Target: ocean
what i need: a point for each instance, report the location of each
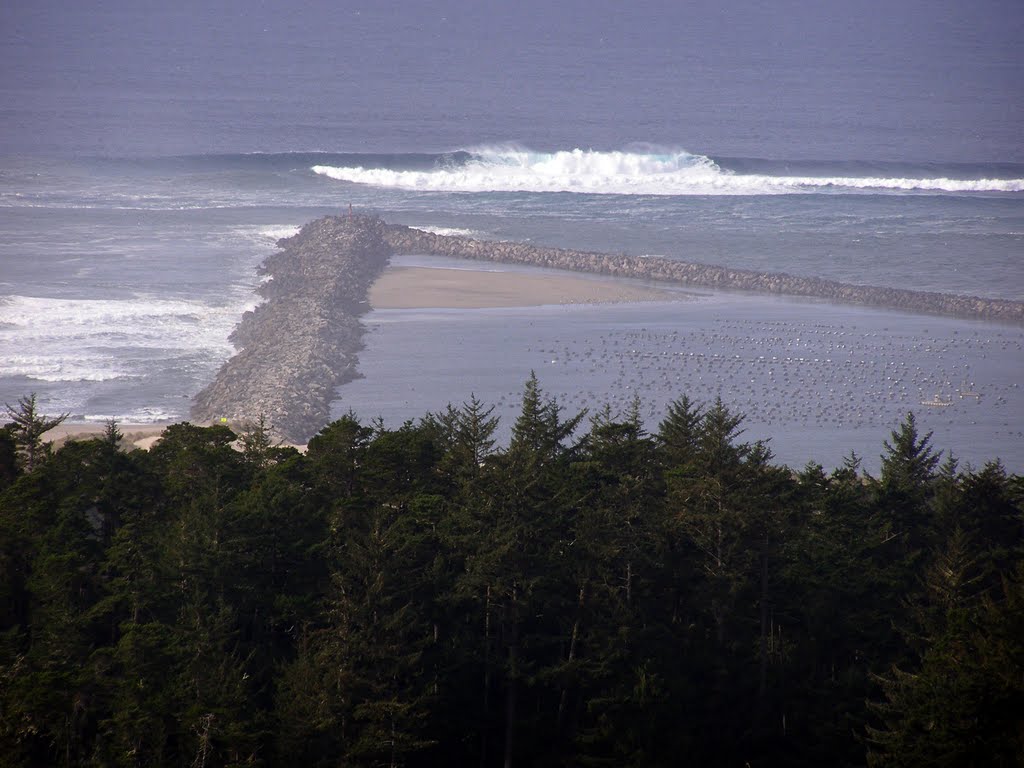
(150, 157)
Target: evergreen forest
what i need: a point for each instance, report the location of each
(589, 594)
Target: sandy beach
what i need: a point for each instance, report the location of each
(135, 435)
(429, 287)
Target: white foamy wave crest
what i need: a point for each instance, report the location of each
(145, 415)
(451, 231)
(99, 340)
(264, 236)
(73, 367)
(631, 173)
(278, 233)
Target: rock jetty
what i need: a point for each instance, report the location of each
(299, 345)
(409, 240)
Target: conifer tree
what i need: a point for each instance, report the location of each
(512, 566)
(416, 597)
(539, 431)
(906, 487)
(377, 646)
(28, 427)
(993, 514)
(709, 496)
(8, 457)
(334, 455)
(961, 704)
(679, 431)
(68, 512)
(827, 606)
(474, 433)
(618, 546)
(257, 444)
(729, 505)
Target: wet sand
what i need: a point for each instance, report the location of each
(431, 287)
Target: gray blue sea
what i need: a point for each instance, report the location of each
(150, 157)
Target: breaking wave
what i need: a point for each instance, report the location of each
(450, 231)
(639, 173)
(78, 339)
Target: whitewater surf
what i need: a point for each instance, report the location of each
(674, 173)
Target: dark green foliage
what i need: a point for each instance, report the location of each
(27, 427)
(963, 703)
(907, 485)
(679, 432)
(420, 597)
(8, 456)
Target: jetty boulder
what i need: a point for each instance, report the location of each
(302, 342)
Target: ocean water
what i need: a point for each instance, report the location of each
(151, 157)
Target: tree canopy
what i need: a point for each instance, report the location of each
(589, 594)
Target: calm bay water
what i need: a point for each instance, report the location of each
(150, 157)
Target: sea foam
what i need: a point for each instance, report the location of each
(278, 233)
(50, 339)
(450, 231)
(632, 173)
(144, 415)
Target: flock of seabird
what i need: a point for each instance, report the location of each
(786, 373)
(805, 378)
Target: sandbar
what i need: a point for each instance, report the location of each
(436, 287)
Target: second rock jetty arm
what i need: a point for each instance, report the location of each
(405, 239)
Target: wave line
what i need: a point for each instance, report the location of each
(634, 173)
